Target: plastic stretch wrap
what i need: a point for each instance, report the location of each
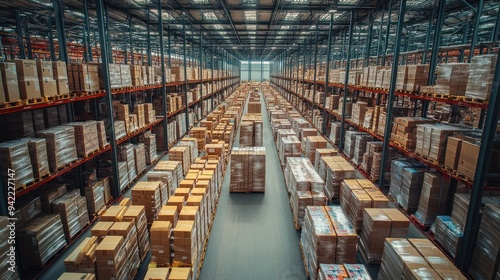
(337, 169)
(126, 153)
(487, 249)
(289, 146)
(319, 162)
(61, 148)
(360, 142)
(94, 194)
(448, 234)
(433, 198)
(452, 78)
(41, 239)
(167, 180)
(120, 130)
(86, 137)
(406, 184)
(311, 144)
(248, 169)
(140, 157)
(15, 155)
(349, 144)
(480, 80)
(73, 210)
(193, 149)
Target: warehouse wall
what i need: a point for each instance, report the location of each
(256, 73)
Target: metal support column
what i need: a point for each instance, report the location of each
(51, 39)
(131, 44)
(61, 35)
(346, 81)
(19, 31)
(115, 188)
(477, 22)
(386, 39)
(107, 34)
(315, 68)
(425, 55)
(435, 52)
(88, 49)
(212, 70)
(261, 71)
(163, 77)
(303, 79)
(185, 70)
(327, 74)
(465, 254)
(148, 33)
(201, 73)
(379, 41)
(392, 89)
(169, 50)
(369, 41)
(28, 39)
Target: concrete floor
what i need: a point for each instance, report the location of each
(253, 235)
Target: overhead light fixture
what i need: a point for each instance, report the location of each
(235, 48)
(331, 11)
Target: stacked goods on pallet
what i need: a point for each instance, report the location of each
(48, 86)
(61, 149)
(149, 140)
(160, 242)
(469, 154)
(480, 79)
(72, 207)
(9, 86)
(327, 237)
(360, 146)
(452, 79)
(248, 170)
(86, 138)
(418, 75)
(358, 194)
(343, 271)
(21, 124)
(182, 155)
(335, 132)
(379, 224)
(453, 149)
(305, 187)
(448, 234)
(126, 154)
(94, 194)
(358, 112)
(185, 244)
(337, 169)
(289, 146)
(404, 131)
(254, 107)
(251, 131)
(177, 74)
(319, 162)
(137, 215)
(82, 259)
(101, 134)
(200, 133)
(431, 140)
(192, 143)
(120, 129)
(136, 75)
(139, 111)
(372, 147)
(311, 144)
(306, 132)
(83, 77)
(111, 258)
(140, 157)
(406, 184)
(40, 240)
(487, 250)
(167, 182)
(128, 231)
(15, 155)
(433, 199)
(126, 78)
(27, 76)
(165, 273)
(148, 195)
(415, 259)
(401, 77)
(350, 142)
(169, 213)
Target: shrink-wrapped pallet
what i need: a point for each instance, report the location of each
(433, 198)
(61, 149)
(248, 170)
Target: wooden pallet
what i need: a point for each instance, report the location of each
(457, 97)
(11, 104)
(66, 165)
(33, 101)
(475, 100)
(85, 93)
(89, 154)
(463, 177)
(26, 186)
(58, 97)
(418, 223)
(365, 256)
(441, 95)
(43, 177)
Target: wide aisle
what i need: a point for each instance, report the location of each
(253, 235)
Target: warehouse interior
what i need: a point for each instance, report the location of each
(249, 139)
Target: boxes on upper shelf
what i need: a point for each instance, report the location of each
(27, 76)
(10, 85)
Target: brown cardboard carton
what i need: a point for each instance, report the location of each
(10, 82)
(109, 247)
(59, 70)
(26, 69)
(101, 229)
(62, 86)
(48, 87)
(180, 273)
(157, 273)
(29, 89)
(177, 201)
(453, 150)
(114, 214)
(45, 71)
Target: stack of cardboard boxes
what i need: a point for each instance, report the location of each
(480, 79)
(86, 137)
(82, 259)
(248, 170)
(148, 195)
(452, 79)
(404, 131)
(61, 148)
(9, 86)
(83, 77)
(111, 258)
(136, 74)
(311, 144)
(182, 155)
(14, 155)
(28, 79)
(48, 86)
(418, 76)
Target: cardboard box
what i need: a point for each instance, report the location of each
(453, 151)
(10, 82)
(45, 71)
(29, 89)
(48, 87)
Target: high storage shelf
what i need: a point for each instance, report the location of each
(38, 184)
(279, 81)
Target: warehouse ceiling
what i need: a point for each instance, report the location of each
(257, 29)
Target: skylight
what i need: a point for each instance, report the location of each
(251, 15)
(200, 1)
(292, 16)
(209, 15)
(252, 27)
(218, 26)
